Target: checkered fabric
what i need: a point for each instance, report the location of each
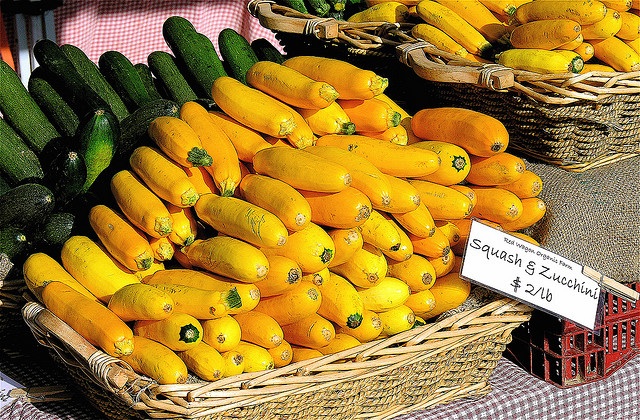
(516, 395)
(134, 27)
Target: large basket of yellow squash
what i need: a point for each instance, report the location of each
(429, 365)
(569, 97)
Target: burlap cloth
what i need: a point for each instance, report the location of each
(593, 217)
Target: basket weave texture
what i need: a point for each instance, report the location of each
(576, 121)
(442, 361)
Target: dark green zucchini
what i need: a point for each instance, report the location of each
(122, 75)
(26, 205)
(133, 129)
(237, 54)
(66, 79)
(97, 139)
(13, 242)
(149, 81)
(176, 87)
(4, 185)
(266, 51)
(196, 56)
(56, 229)
(18, 163)
(66, 172)
(22, 112)
(90, 72)
(52, 103)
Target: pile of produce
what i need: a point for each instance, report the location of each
(237, 213)
(542, 36)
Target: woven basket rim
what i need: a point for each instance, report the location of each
(465, 328)
(395, 41)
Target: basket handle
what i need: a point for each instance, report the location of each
(323, 28)
(492, 76)
(47, 323)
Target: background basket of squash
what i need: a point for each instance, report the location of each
(563, 76)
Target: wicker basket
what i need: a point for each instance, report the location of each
(576, 121)
(433, 364)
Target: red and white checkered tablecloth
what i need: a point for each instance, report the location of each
(134, 27)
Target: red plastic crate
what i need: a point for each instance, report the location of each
(565, 354)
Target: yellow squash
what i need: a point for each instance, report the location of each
(205, 361)
(290, 86)
(502, 168)
(344, 209)
(497, 205)
(156, 361)
(350, 81)
(178, 141)
(245, 140)
(540, 61)
(223, 333)
(328, 120)
(301, 301)
(340, 342)
(277, 197)
(94, 268)
(260, 328)
(583, 12)
(179, 331)
(313, 331)
(454, 162)
(256, 358)
(140, 301)
(242, 220)
(417, 272)
(282, 355)
(242, 103)
(396, 320)
(449, 291)
(341, 302)
(546, 34)
(442, 202)
(368, 330)
(453, 25)
(389, 293)
(283, 274)
(389, 158)
(249, 292)
(478, 133)
(225, 169)
(365, 268)
(201, 303)
(418, 222)
(140, 205)
(312, 248)
(347, 242)
(229, 257)
(370, 114)
(163, 176)
(78, 311)
(380, 232)
(40, 268)
(301, 169)
(123, 241)
(185, 226)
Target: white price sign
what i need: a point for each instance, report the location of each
(530, 274)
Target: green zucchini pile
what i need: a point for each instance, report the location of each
(337, 9)
(75, 124)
